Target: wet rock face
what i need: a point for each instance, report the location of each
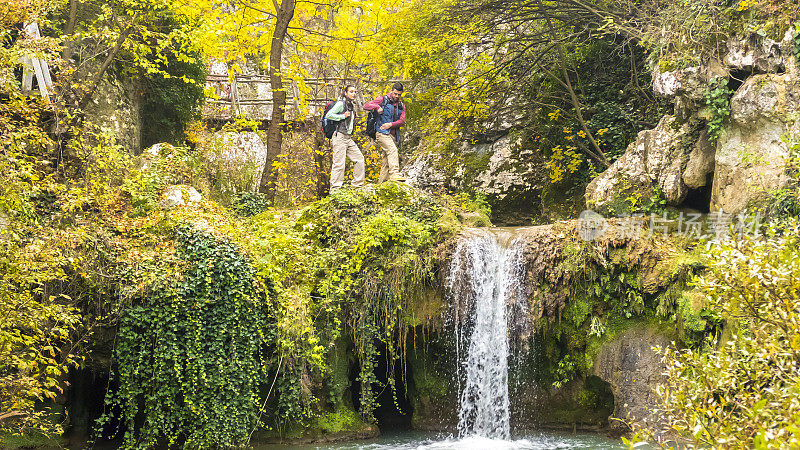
(633, 369)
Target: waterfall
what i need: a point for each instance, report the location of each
(485, 279)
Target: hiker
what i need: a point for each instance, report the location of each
(391, 116)
(342, 141)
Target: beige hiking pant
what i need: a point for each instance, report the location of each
(390, 162)
(344, 147)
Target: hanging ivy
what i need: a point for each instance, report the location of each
(188, 357)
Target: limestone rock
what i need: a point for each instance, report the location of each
(116, 109)
(757, 53)
(656, 158)
(180, 195)
(4, 224)
(243, 152)
(630, 365)
(690, 82)
(156, 150)
(701, 162)
(751, 155)
(422, 174)
(498, 177)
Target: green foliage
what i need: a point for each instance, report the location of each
(340, 420)
(654, 204)
(356, 267)
(596, 327)
(172, 101)
(565, 371)
(36, 335)
(796, 41)
(172, 165)
(189, 354)
(250, 203)
(785, 202)
(743, 391)
(386, 236)
(718, 99)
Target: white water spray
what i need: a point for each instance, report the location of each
(485, 278)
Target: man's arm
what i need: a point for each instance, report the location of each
(335, 113)
(374, 104)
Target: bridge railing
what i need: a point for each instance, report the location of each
(250, 95)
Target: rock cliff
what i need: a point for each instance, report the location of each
(690, 164)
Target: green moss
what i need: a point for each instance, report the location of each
(474, 164)
(341, 420)
(577, 310)
(338, 382)
(431, 384)
(31, 440)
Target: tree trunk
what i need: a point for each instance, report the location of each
(285, 13)
(322, 166)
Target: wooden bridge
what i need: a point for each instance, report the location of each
(250, 95)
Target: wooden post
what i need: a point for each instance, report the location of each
(35, 66)
(234, 98)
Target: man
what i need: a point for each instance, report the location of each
(342, 141)
(391, 116)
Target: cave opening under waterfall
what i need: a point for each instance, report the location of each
(393, 411)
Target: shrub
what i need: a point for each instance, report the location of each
(744, 393)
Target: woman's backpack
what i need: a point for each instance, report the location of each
(328, 125)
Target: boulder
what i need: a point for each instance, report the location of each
(155, 151)
(701, 162)
(180, 195)
(633, 369)
(756, 53)
(244, 152)
(656, 158)
(690, 82)
(751, 153)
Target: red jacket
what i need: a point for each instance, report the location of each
(397, 120)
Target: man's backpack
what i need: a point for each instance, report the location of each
(373, 116)
(372, 120)
(328, 125)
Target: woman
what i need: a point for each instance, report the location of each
(342, 141)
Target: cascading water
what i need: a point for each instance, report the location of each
(485, 280)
